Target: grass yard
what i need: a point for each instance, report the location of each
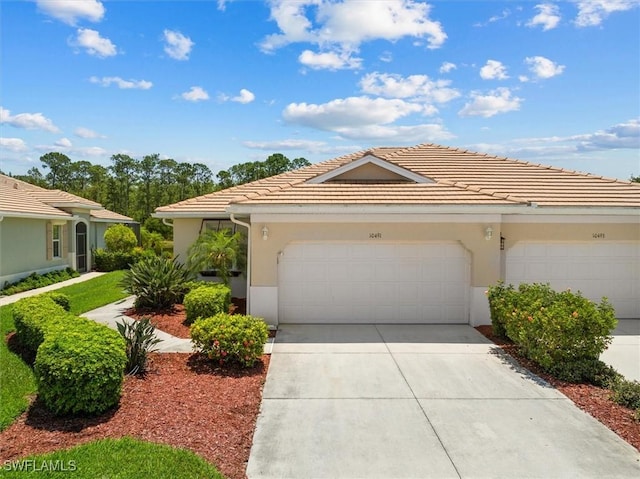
(124, 458)
(17, 382)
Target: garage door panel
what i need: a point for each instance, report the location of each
(387, 282)
(610, 269)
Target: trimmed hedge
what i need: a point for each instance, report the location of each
(106, 261)
(554, 329)
(207, 300)
(79, 364)
(81, 370)
(35, 280)
(226, 338)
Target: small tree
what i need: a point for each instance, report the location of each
(219, 250)
(120, 238)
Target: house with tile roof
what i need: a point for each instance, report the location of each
(42, 230)
(417, 234)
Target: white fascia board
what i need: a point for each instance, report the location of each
(12, 214)
(398, 170)
(377, 218)
(81, 206)
(573, 218)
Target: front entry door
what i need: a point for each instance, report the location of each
(81, 247)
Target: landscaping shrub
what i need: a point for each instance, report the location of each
(113, 260)
(228, 338)
(120, 238)
(151, 241)
(60, 299)
(627, 393)
(554, 329)
(140, 339)
(35, 280)
(80, 370)
(34, 317)
(206, 301)
(499, 304)
(157, 282)
(591, 371)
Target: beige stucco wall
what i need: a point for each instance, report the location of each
(23, 248)
(185, 232)
(485, 267)
(514, 232)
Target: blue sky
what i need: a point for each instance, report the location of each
(225, 82)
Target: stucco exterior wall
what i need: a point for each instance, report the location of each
(597, 232)
(23, 249)
(185, 232)
(485, 267)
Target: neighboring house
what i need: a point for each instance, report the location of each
(417, 235)
(43, 230)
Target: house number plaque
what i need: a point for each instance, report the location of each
(598, 236)
(375, 235)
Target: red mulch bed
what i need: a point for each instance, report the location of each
(183, 400)
(591, 399)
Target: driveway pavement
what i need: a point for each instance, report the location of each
(419, 401)
(624, 351)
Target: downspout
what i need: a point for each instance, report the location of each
(248, 226)
(164, 222)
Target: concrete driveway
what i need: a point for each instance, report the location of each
(419, 401)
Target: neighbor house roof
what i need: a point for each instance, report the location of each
(108, 216)
(19, 198)
(455, 177)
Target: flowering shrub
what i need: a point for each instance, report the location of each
(226, 338)
(207, 300)
(552, 328)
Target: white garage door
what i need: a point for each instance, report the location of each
(610, 269)
(374, 283)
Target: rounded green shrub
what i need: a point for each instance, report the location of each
(35, 317)
(120, 238)
(206, 301)
(627, 394)
(60, 299)
(226, 338)
(80, 370)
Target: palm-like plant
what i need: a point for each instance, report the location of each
(219, 250)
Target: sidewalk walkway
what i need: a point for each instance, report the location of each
(4, 300)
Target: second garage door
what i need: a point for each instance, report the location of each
(372, 282)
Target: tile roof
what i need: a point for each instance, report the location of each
(460, 177)
(109, 216)
(22, 198)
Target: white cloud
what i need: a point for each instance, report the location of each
(244, 97)
(592, 13)
(195, 94)
(70, 11)
(177, 46)
(13, 144)
(64, 143)
(93, 43)
(329, 60)
(28, 121)
(121, 83)
(622, 135)
(414, 86)
(496, 101)
(493, 70)
(386, 57)
(341, 27)
(543, 68)
(548, 17)
(87, 133)
(496, 18)
(446, 67)
(349, 112)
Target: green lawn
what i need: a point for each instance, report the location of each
(16, 378)
(122, 459)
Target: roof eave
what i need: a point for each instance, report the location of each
(35, 216)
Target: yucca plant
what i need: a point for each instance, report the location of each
(140, 337)
(157, 282)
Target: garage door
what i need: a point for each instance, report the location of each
(596, 269)
(373, 283)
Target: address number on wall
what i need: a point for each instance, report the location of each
(375, 235)
(598, 235)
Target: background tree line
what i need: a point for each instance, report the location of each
(135, 188)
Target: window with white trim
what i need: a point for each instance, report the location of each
(56, 241)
